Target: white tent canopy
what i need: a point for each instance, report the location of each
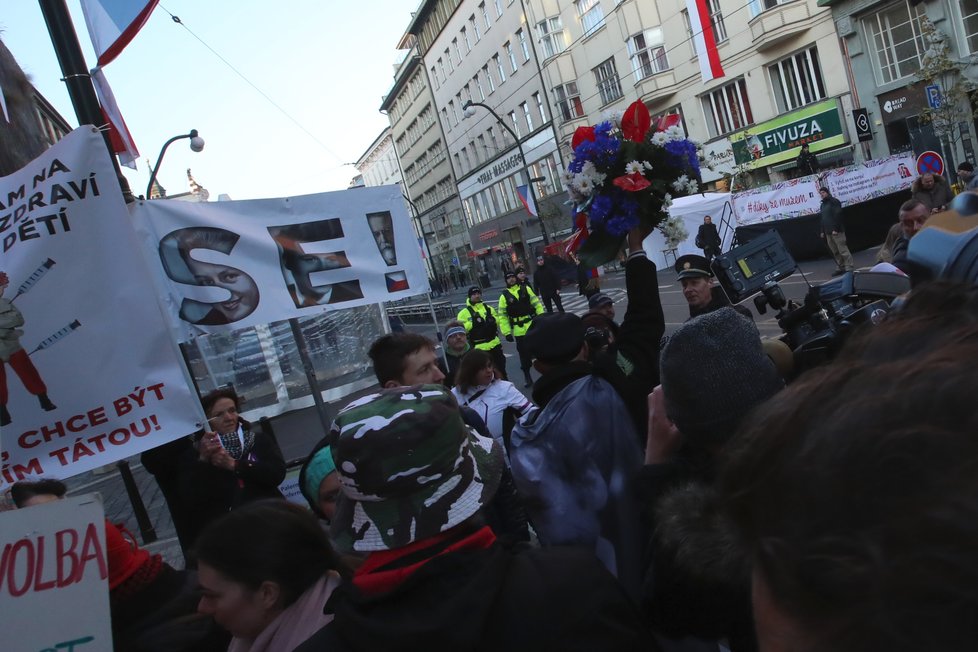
(692, 209)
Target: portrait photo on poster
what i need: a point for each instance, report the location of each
(298, 265)
(176, 254)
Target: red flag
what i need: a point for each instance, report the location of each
(704, 40)
(112, 24)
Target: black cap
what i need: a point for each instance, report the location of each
(555, 338)
(520, 270)
(692, 265)
(508, 274)
(475, 289)
(966, 166)
(598, 300)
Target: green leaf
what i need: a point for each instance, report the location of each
(601, 247)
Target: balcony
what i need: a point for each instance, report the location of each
(658, 86)
(781, 22)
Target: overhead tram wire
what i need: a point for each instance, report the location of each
(176, 19)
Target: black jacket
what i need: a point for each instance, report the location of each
(501, 598)
(707, 236)
(718, 301)
(830, 214)
(545, 281)
(807, 163)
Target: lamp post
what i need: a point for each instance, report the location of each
(467, 111)
(196, 145)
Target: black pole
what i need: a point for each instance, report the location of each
(146, 528)
(77, 78)
(152, 177)
(526, 166)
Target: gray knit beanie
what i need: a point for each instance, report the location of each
(714, 371)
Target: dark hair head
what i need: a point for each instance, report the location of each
(910, 204)
(471, 364)
(21, 492)
(389, 351)
(209, 399)
(269, 540)
(824, 189)
(856, 491)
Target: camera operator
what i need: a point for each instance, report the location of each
(630, 351)
(701, 293)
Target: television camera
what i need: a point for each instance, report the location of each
(814, 329)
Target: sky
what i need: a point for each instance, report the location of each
(326, 63)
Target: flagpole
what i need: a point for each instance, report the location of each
(77, 78)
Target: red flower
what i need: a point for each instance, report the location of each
(667, 121)
(632, 182)
(635, 122)
(582, 134)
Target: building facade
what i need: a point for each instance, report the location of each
(886, 44)
(378, 165)
(482, 51)
(785, 79)
(428, 180)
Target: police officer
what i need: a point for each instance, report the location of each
(479, 321)
(518, 305)
(701, 293)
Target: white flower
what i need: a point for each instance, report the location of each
(666, 202)
(648, 166)
(680, 184)
(567, 178)
(633, 167)
(583, 184)
(674, 231)
(660, 138)
(591, 172)
(675, 132)
(692, 186)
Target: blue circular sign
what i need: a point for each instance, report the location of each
(930, 163)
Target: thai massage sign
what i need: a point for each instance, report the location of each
(779, 140)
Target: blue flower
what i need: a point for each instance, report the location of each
(601, 207)
(682, 153)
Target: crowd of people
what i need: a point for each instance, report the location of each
(652, 493)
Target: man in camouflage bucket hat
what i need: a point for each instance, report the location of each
(437, 578)
(409, 468)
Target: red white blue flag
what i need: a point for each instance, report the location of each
(113, 23)
(704, 39)
(531, 206)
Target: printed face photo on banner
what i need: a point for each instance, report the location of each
(297, 265)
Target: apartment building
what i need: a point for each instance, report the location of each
(482, 51)
(427, 175)
(378, 164)
(784, 80)
(886, 45)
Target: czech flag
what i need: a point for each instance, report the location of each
(704, 40)
(396, 281)
(531, 206)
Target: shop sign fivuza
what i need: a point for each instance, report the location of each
(779, 140)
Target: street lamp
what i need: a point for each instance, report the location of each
(196, 145)
(468, 112)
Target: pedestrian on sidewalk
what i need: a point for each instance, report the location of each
(834, 232)
(547, 285)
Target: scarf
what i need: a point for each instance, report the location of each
(299, 621)
(231, 442)
(386, 570)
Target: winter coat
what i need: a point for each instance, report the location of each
(545, 281)
(479, 321)
(518, 305)
(807, 163)
(517, 598)
(491, 401)
(572, 461)
(707, 237)
(940, 195)
(830, 214)
(213, 491)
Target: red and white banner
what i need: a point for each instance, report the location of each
(704, 39)
(119, 136)
(88, 372)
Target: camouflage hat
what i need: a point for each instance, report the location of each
(409, 468)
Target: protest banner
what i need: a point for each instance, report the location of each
(777, 201)
(222, 266)
(96, 377)
(871, 179)
(54, 590)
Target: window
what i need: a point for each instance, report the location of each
(511, 55)
(478, 86)
(550, 34)
(444, 118)
(568, 101)
(896, 41)
(648, 53)
(539, 102)
(727, 108)
(797, 80)
(492, 139)
(499, 68)
(434, 78)
(475, 28)
(521, 35)
(606, 76)
(492, 84)
(448, 59)
(516, 123)
(592, 16)
(482, 151)
(716, 20)
(458, 162)
(458, 52)
(485, 15)
(454, 110)
(441, 67)
(466, 94)
(499, 8)
(527, 116)
(465, 38)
